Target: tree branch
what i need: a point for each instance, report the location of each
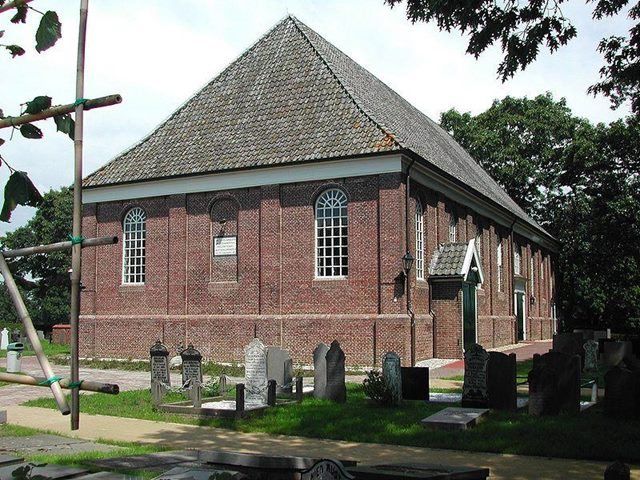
(14, 4)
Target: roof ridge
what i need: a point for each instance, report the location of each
(181, 107)
(326, 62)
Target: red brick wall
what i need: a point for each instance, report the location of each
(269, 289)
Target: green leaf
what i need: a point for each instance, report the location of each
(19, 190)
(49, 31)
(65, 124)
(38, 104)
(21, 14)
(16, 51)
(30, 131)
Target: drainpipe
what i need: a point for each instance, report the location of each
(512, 276)
(408, 281)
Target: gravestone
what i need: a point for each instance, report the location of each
(501, 382)
(415, 383)
(320, 370)
(554, 384)
(590, 356)
(191, 365)
(474, 388)
(569, 343)
(326, 469)
(392, 375)
(336, 389)
(280, 369)
(159, 363)
(622, 393)
(617, 471)
(454, 418)
(4, 339)
(14, 336)
(255, 372)
(615, 352)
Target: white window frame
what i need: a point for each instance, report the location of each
(499, 264)
(419, 241)
(326, 203)
(517, 261)
(532, 283)
(453, 227)
(134, 239)
(479, 239)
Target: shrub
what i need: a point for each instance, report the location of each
(376, 389)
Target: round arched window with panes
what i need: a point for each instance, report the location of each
(419, 241)
(134, 236)
(332, 239)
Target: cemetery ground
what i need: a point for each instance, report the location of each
(589, 435)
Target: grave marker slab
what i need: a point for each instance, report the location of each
(501, 382)
(280, 369)
(4, 339)
(255, 372)
(554, 384)
(191, 365)
(320, 371)
(622, 393)
(615, 352)
(326, 470)
(569, 343)
(455, 418)
(392, 374)
(415, 383)
(474, 388)
(590, 356)
(159, 363)
(336, 389)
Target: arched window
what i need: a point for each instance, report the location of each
(134, 233)
(517, 260)
(499, 263)
(453, 226)
(419, 241)
(332, 251)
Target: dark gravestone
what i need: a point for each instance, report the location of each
(615, 352)
(474, 388)
(554, 384)
(191, 365)
(160, 364)
(280, 369)
(415, 383)
(569, 343)
(320, 370)
(391, 372)
(622, 393)
(336, 389)
(326, 470)
(617, 471)
(501, 381)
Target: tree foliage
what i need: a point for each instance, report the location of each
(522, 28)
(44, 277)
(580, 181)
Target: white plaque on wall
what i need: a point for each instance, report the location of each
(225, 246)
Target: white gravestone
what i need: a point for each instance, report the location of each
(392, 374)
(255, 372)
(4, 339)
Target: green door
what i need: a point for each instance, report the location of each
(469, 314)
(520, 314)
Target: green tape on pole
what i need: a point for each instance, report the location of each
(77, 384)
(80, 101)
(76, 240)
(50, 381)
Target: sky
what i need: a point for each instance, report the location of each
(158, 54)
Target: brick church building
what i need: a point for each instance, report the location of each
(279, 202)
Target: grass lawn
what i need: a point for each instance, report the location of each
(81, 459)
(50, 349)
(587, 436)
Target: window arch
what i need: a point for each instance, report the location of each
(332, 250)
(419, 240)
(499, 264)
(134, 233)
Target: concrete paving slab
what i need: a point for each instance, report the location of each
(152, 461)
(52, 444)
(454, 418)
(52, 472)
(9, 460)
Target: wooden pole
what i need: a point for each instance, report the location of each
(86, 385)
(14, 4)
(59, 110)
(76, 251)
(57, 247)
(21, 308)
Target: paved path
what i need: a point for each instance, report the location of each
(523, 351)
(94, 427)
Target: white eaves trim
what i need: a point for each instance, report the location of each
(353, 167)
(472, 254)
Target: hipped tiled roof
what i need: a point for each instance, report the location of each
(293, 97)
